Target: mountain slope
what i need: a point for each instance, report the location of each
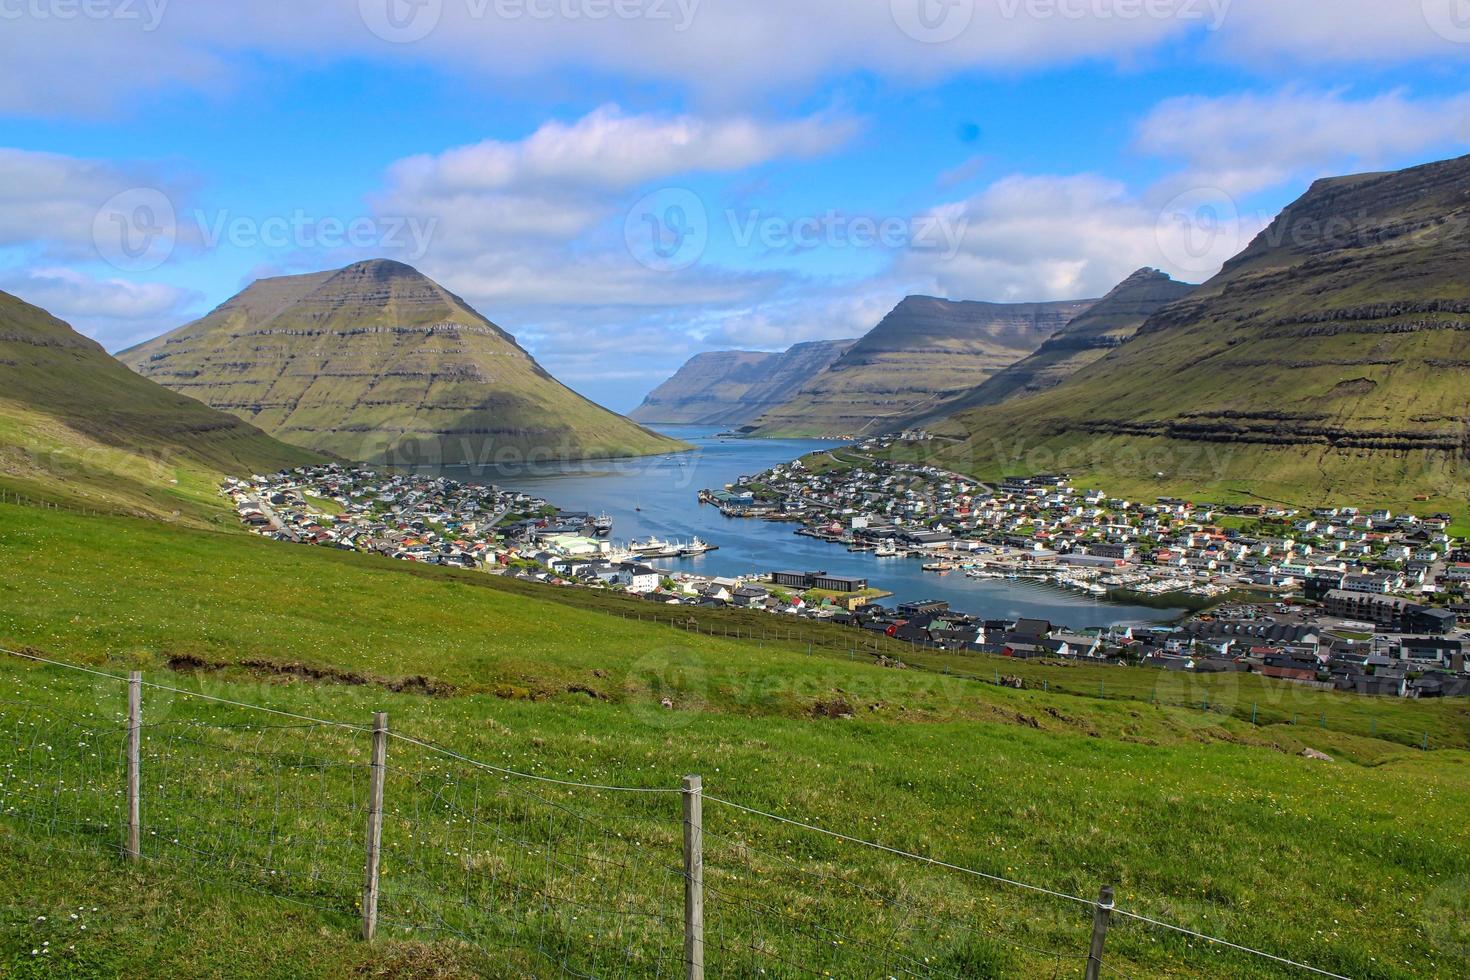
(926, 351)
(77, 427)
(1087, 339)
(1325, 362)
(735, 387)
(377, 362)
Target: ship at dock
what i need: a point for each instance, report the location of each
(658, 548)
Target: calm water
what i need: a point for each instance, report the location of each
(657, 497)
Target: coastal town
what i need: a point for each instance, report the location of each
(1339, 599)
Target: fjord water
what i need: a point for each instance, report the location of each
(658, 497)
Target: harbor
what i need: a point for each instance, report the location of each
(659, 500)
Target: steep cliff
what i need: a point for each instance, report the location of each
(1087, 339)
(1327, 361)
(735, 387)
(924, 353)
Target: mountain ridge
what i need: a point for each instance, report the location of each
(734, 387)
(1107, 325)
(925, 351)
(1324, 362)
(378, 362)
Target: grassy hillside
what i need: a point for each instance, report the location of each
(923, 353)
(1325, 363)
(376, 362)
(1083, 341)
(1199, 818)
(79, 429)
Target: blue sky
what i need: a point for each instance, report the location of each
(623, 183)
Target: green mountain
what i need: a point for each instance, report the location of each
(927, 351)
(377, 362)
(1087, 339)
(733, 387)
(1325, 362)
(78, 428)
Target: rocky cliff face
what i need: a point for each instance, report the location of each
(1328, 357)
(924, 353)
(1083, 341)
(734, 387)
(377, 362)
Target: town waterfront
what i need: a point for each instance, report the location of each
(658, 497)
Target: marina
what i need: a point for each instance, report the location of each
(659, 500)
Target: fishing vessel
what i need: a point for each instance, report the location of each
(602, 525)
(652, 548)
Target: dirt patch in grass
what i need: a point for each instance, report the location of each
(415, 684)
(835, 708)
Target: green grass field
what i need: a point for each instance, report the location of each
(1199, 818)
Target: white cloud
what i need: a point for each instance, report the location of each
(54, 200)
(559, 181)
(724, 50)
(721, 50)
(610, 149)
(536, 225)
(1032, 238)
(1246, 143)
(114, 312)
(1353, 31)
(92, 66)
(820, 313)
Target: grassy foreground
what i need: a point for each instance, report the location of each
(1200, 818)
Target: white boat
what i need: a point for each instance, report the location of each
(695, 548)
(887, 549)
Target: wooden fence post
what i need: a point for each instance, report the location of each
(375, 826)
(694, 877)
(1102, 912)
(134, 849)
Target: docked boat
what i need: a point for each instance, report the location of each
(602, 525)
(653, 548)
(695, 548)
(888, 549)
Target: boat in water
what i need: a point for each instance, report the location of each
(602, 525)
(653, 548)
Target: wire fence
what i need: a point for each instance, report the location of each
(539, 876)
(21, 500)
